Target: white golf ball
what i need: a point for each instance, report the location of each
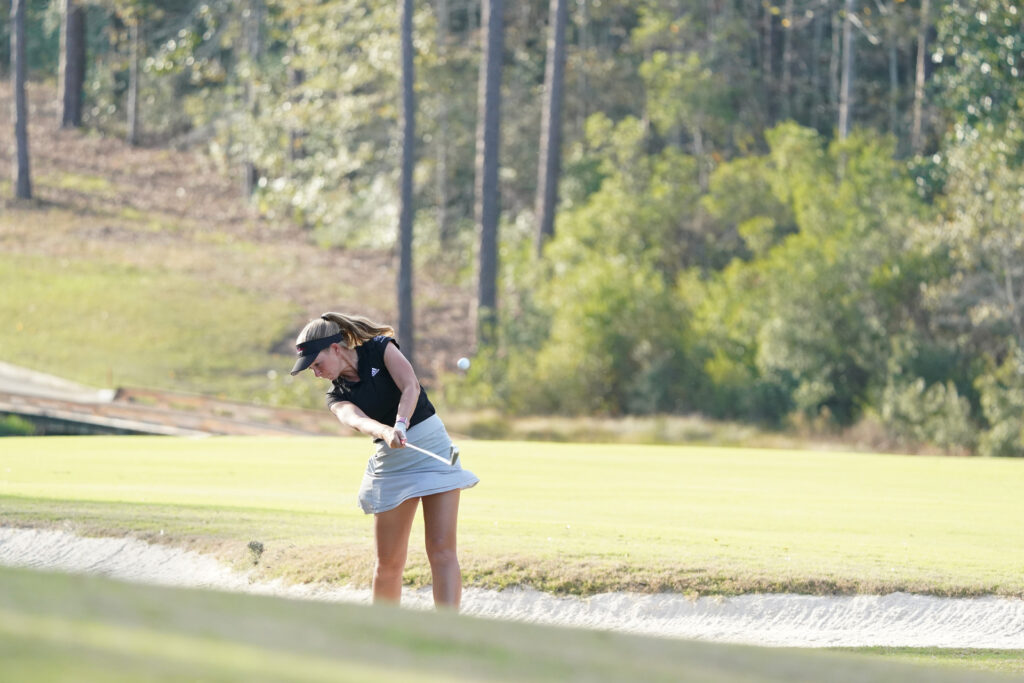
(463, 363)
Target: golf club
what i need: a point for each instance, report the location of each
(448, 461)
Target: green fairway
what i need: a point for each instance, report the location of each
(561, 517)
(60, 627)
(999, 661)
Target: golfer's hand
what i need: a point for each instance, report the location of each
(400, 431)
(393, 438)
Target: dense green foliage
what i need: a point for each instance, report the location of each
(718, 249)
(12, 425)
(814, 280)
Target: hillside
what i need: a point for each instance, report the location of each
(143, 267)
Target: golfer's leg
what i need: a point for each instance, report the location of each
(440, 520)
(392, 534)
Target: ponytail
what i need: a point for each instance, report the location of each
(355, 329)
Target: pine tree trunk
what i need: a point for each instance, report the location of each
(816, 102)
(846, 86)
(405, 221)
(252, 37)
(444, 222)
(768, 64)
(296, 148)
(581, 77)
(133, 82)
(22, 182)
(916, 132)
(787, 61)
(550, 164)
(703, 179)
(835, 60)
(486, 200)
(71, 69)
(894, 85)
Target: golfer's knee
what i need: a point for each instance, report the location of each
(441, 554)
(389, 567)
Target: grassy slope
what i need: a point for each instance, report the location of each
(562, 517)
(142, 267)
(59, 627)
(114, 332)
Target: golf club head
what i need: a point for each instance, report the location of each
(454, 454)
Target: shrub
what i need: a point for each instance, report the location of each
(915, 412)
(15, 425)
(1002, 401)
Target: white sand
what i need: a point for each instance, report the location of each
(778, 620)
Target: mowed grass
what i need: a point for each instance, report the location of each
(63, 627)
(998, 661)
(568, 518)
(108, 323)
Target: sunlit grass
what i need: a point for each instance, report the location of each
(998, 661)
(104, 323)
(562, 517)
(87, 184)
(652, 429)
(59, 627)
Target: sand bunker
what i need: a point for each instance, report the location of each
(776, 620)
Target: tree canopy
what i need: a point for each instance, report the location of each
(718, 247)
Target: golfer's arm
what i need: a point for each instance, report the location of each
(351, 416)
(405, 379)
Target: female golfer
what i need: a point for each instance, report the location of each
(375, 391)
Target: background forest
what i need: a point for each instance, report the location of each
(800, 213)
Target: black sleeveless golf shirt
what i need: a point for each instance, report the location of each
(376, 393)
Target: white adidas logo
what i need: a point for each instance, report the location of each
(374, 371)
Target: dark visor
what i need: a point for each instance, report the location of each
(308, 351)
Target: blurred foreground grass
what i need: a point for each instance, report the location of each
(65, 627)
(999, 661)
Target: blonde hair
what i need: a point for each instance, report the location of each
(354, 328)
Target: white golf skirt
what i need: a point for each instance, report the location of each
(394, 475)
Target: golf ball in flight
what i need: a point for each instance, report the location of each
(463, 363)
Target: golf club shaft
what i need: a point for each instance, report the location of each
(424, 451)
